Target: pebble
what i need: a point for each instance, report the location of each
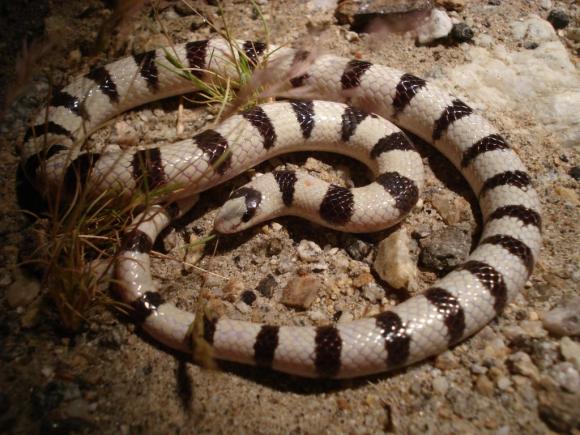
(446, 248)
(446, 361)
(373, 292)
(520, 363)
(267, 285)
(345, 317)
(274, 247)
(461, 32)
(301, 292)
(452, 209)
(317, 316)
(483, 40)
(504, 383)
(533, 328)
(242, 307)
(484, 386)
(359, 12)
(309, 251)
(575, 173)
(437, 26)
(440, 385)
(22, 291)
(558, 18)
(286, 265)
(533, 29)
(570, 350)
(356, 248)
(574, 34)
(558, 408)
(451, 5)
(564, 319)
(393, 262)
(566, 376)
(233, 289)
(124, 135)
(248, 297)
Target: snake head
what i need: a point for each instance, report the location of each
(256, 202)
(239, 211)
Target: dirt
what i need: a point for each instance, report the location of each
(111, 378)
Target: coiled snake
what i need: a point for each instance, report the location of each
(454, 308)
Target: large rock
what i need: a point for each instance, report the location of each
(542, 83)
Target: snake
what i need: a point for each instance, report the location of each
(351, 112)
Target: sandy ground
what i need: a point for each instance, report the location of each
(110, 378)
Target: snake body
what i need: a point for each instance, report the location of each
(454, 308)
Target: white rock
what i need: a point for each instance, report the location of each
(570, 350)
(543, 83)
(393, 262)
(534, 29)
(438, 25)
(564, 319)
(309, 251)
(440, 385)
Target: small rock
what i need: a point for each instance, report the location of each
(570, 350)
(451, 5)
(233, 289)
(558, 18)
(483, 40)
(301, 291)
(22, 291)
(124, 135)
(461, 32)
(484, 386)
(363, 279)
(318, 267)
(451, 208)
(564, 319)
(286, 264)
(558, 408)
(437, 26)
(393, 262)
(446, 361)
(242, 307)
(358, 13)
(356, 248)
(248, 297)
(373, 292)
(309, 251)
(440, 385)
(566, 376)
(444, 249)
(533, 328)
(267, 285)
(345, 317)
(575, 173)
(531, 45)
(574, 34)
(545, 4)
(520, 363)
(503, 383)
(317, 316)
(533, 29)
(274, 247)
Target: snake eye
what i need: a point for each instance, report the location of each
(253, 199)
